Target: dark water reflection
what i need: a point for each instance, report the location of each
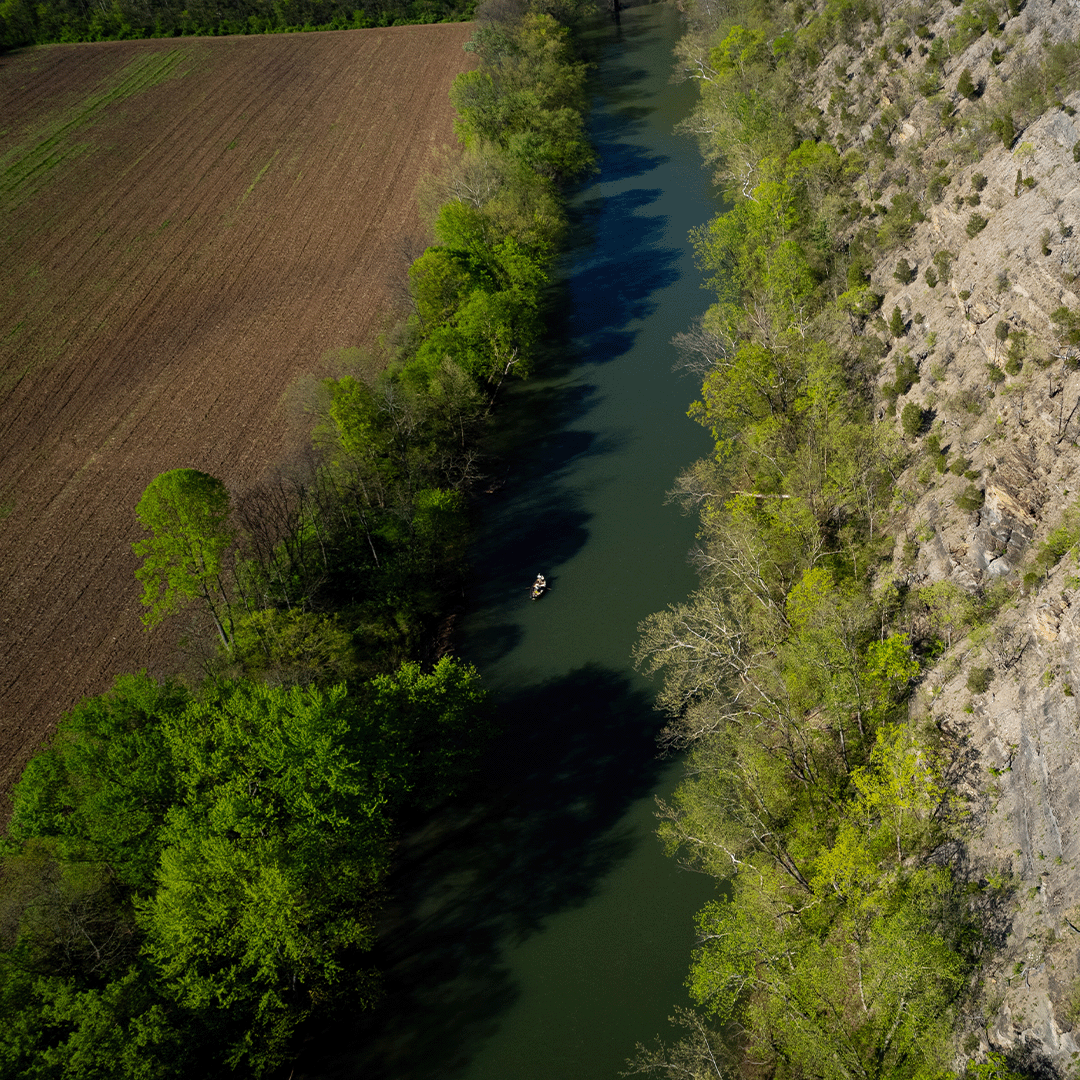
(537, 929)
(484, 878)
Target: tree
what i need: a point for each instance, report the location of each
(59, 1029)
(965, 85)
(901, 787)
(527, 97)
(1005, 128)
(488, 322)
(731, 817)
(294, 647)
(440, 280)
(1001, 335)
(439, 718)
(207, 870)
(701, 1054)
(270, 859)
(831, 988)
(64, 917)
(76, 999)
(187, 514)
(103, 787)
(912, 419)
(378, 430)
(859, 303)
(950, 608)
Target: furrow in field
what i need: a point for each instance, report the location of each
(128, 346)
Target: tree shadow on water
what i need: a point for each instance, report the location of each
(533, 838)
(620, 161)
(611, 131)
(538, 519)
(613, 289)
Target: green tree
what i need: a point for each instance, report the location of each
(859, 303)
(912, 419)
(440, 280)
(294, 647)
(438, 718)
(187, 515)
(950, 608)
(732, 817)
(477, 298)
(75, 997)
(60, 1029)
(903, 215)
(1004, 127)
(744, 88)
(965, 85)
(701, 1054)
(901, 787)
(526, 98)
(104, 785)
(943, 262)
(207, 870)
(378, 428)
(865, 988)
(270, 859)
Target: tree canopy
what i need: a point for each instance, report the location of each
(814, 793)
(192, 875)
(25, 23)
(187, 515)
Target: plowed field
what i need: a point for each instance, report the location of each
(187, 226)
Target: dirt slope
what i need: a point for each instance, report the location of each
(187, 227)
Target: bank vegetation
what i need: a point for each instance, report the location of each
(849, 934)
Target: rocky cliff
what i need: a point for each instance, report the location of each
(980, 284)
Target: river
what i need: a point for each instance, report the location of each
(538, 930)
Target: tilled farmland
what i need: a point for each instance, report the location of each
(188, 226)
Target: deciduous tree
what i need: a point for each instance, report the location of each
(187, 514)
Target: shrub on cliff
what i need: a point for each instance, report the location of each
(912, 419)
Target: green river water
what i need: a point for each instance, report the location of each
(538, 930)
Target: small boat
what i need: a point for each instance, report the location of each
(539, 586)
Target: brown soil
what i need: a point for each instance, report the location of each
(187, 227)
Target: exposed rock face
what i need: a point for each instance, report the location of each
(1025, 734)
(1002, 385)
(1014, 499)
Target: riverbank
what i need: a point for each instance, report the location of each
(542, 932)
(888, 537)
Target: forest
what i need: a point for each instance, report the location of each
(194, 867)
(848, 938)
(24, 23)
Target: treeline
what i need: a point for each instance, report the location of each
(25, 22)
(841, 943)
(194, 870)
